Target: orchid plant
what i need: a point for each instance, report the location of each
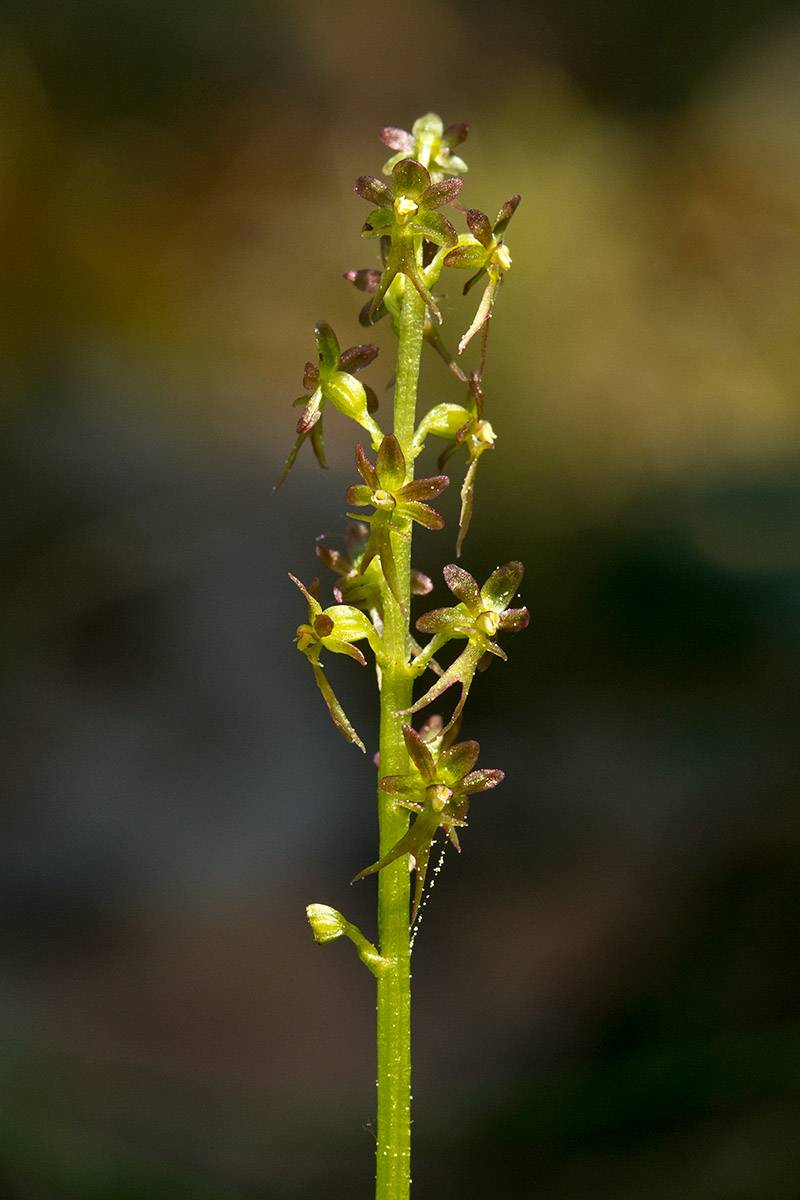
(425, 776)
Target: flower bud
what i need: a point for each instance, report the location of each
(326, 923)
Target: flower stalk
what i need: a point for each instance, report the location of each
(425, 777)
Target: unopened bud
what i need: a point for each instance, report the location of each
(326, 923)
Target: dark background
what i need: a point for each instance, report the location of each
(606, 980)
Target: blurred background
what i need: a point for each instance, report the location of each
(606, 980)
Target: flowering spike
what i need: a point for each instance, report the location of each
(413, 210)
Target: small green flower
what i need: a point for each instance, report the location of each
(430, 143)
(461, 427)
(334, 629)
(405, 212)
(395, 503)
(486, 253)
(334, 379)
(438, 789)
(479, 616)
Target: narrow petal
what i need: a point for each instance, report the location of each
(390, 464)
(386, 280)
(470, 284)
(441, 193)
(338, 646)
(378, 223)
(444, 620)
(421, 585)
(365, 280)
(287, 466)
(456, 762)
(388, 567)
(480, 227)
(397, 139)
(417, 843)
(359, 494)
(373, 190)
(366, 469)
(514, 619)
(423, 489)
(463, 587)
(405, 788)
(358, 357)
(505, 215)
(423, 514)
(419, 754)
(466, 257)
(435, 227)
(461, 671)
(481, 781)
(501, 585)
(314, 606)
(317, 444)
(311, 413)
(411, 272)
(454, 135)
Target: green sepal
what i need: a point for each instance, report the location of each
(435, 228)
(377, 223)
(501, 586)
(327, 347)
(443, 420)
(468, 255)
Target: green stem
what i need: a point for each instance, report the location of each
(393, 1174)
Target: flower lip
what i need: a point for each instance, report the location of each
(383, 499)
(405, 208)
(501, 257)
(439, 795)
(487, 622)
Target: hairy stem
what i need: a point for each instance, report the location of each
(393, 1176)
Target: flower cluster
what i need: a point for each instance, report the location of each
(487, 252)
(479, 616)
(396, 503)
(430, 143)
(333, 379)
(406, 213)
(438, 789)
(334, 629)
